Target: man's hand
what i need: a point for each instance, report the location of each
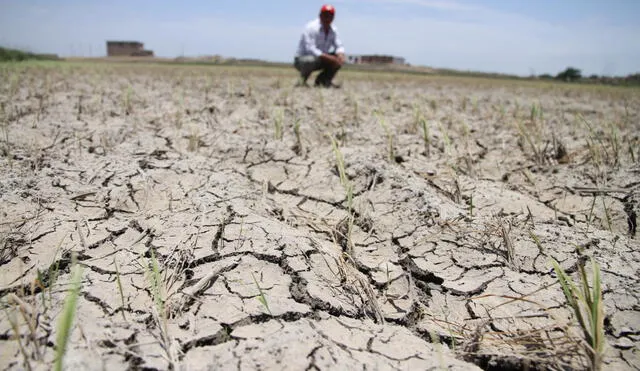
(334, 60)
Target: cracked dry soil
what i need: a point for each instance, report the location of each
(225, 179)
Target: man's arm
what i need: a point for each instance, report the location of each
(334, 60)
(310, 43)
(339, 48)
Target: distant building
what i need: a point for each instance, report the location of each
(375, 59)
(127, 49)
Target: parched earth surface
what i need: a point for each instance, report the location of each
(223, 218)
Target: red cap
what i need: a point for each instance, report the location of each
(328, 9)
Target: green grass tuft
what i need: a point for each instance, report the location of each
(587, 306)
(65, 322)
(261, 297)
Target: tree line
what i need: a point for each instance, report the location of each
(15, 55)
(572, 74)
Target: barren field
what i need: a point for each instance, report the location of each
(194, 217)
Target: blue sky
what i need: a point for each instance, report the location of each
(509, 36)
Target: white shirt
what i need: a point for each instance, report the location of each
(314, 41)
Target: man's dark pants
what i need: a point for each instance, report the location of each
(308, 63)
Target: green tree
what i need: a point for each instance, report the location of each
(569, 74)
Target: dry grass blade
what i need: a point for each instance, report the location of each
(389, 134)
(181, 301)
(366, 292)
(339, 161)
(525, 134)
(156, 283)
(13, 321)
(278, 124)
(508, 244)
(297, 148)
(120, 290)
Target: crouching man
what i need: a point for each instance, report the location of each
(320, 49)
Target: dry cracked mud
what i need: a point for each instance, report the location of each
(217, 229)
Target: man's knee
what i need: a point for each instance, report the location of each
(306, 64)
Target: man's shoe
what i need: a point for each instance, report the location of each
(302, 81)
(322, 81)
